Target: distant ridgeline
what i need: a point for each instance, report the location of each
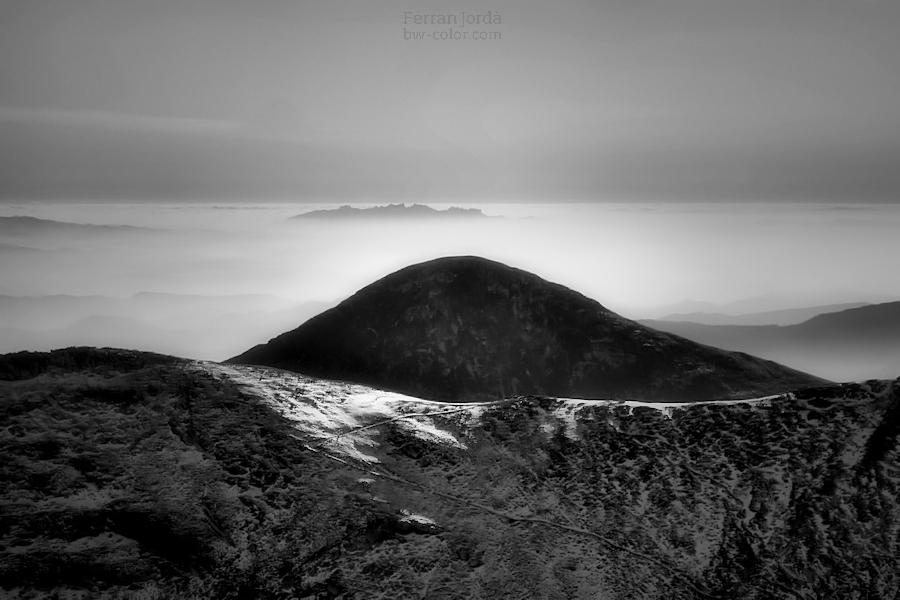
(391, 211)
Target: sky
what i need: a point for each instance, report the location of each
(355, 101)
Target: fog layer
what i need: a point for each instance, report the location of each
(208, 281)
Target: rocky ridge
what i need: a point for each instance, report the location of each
(134, 478)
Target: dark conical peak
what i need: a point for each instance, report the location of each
(467, 264)
(468, 328)
(468, 280)
(471, 270)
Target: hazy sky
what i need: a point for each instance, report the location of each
(615, 100)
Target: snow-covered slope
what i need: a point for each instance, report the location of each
(754, 498)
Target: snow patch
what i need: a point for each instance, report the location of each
(342, 417)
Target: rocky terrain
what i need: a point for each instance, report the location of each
(139, 476)
(467, 328)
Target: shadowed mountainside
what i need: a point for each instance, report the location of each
(470, 328)
(853, 344)
(134, 476)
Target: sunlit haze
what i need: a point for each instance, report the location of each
(641, 260)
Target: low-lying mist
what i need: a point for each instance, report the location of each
(209, 281)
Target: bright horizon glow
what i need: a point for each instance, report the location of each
(630, 257)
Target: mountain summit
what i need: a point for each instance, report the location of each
(466, 328)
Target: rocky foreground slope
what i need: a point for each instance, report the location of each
(467, 328)
(130, 475)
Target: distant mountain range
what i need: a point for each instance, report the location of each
(771, 308)
(171, 310)
(787, 316)
(466, 328)
(192, 326)
(393, 211)
(30, 226)
(853, 344)
(10, 249)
